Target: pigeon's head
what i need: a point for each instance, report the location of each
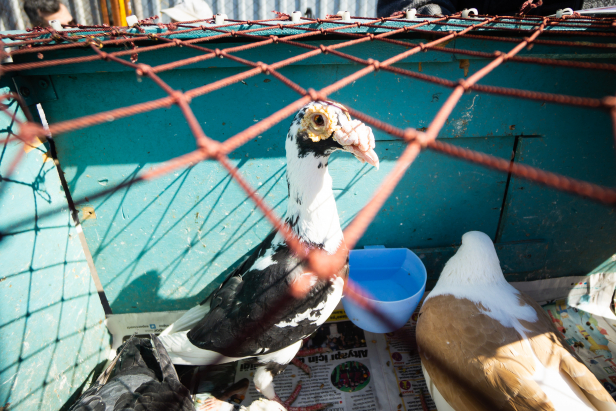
(477, 254)
(474, 265)
(322, 127)
(479, 242)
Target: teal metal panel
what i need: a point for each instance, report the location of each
(51, 321)
(158, 245)
(434, 192)
(267, 54)
(172, 237)
(517, 259)
(580, 233)
(476, 115)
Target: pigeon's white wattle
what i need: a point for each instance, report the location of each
(485, 345)
(357, 138)
(214, 331)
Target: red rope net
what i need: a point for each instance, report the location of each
(323, 265)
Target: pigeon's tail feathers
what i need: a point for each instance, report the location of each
(263, 404)
(594, 390)
(104, 377)
(189, 319)
(183, 352)
(166, 366)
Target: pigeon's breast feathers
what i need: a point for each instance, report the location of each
(475, 263)
(318, 130)
(474, 273)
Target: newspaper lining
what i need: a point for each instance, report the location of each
(348, 376)
(366, 371)
(401, 367)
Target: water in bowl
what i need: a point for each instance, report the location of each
(387, 287)
(396, 280)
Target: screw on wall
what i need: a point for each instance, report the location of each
(24, 91)
(35, 89)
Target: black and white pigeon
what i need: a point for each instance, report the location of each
(141, 377)
(214, 331)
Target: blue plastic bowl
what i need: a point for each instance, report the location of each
(396, 279)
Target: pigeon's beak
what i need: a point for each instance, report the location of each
(357, 138)
(369, 156)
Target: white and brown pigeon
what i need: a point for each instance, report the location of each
(486, 346)
(215, 331)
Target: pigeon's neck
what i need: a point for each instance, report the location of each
(311, 209)
(474, 273)
(473, 267)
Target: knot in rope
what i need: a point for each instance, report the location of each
(264, 67)
(374, 64)
(313, 94)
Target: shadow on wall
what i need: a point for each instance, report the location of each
(146, 289)
(167, 244)
(52, 333)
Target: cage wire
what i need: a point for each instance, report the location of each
(533, 30)
(13, 16)
(261, 9)
(88, 12)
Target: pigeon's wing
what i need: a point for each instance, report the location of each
(477, 365)
(234, 278)
(128, 355)
(225, 291)
(244, 305)
(142, 379)
(151, 386)
(225, 296)
(155, 396)
(166, 366)
(90, 400)
(555, 353)
(121, 392)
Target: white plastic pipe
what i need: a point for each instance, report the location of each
(132, 20)
(220, 19)
(346, 16)
(564, 12)
(55, 24)
(467, 12)
(410, 14)
(296, 16)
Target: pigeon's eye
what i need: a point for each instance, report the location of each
(319, 122)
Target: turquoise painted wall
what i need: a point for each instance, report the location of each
(167, 243)
(52, 335)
